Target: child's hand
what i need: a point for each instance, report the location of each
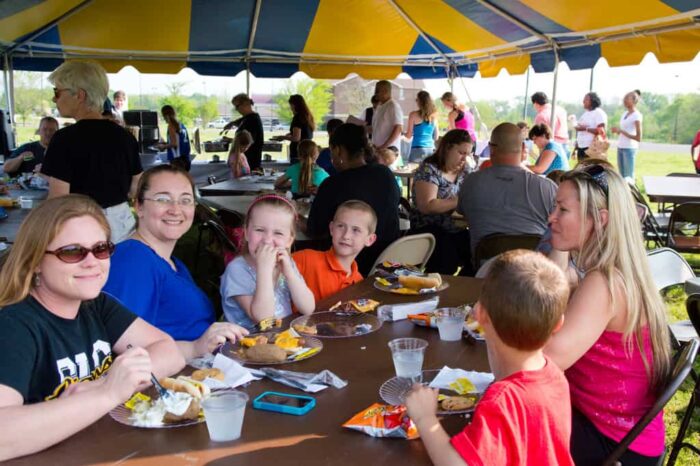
(421, 403)
(265, 258)
(285, 261)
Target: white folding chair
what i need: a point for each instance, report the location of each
(669, 268)
(411, 250)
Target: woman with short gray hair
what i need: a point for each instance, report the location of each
(94, 156)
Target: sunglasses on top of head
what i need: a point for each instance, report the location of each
(598, 175)
(74, 253)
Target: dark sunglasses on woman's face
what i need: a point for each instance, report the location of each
(74, 253)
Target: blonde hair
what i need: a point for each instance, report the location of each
(88, 76)
(426, 107)
(242, 138)
(272, 200)
(616, 250)
(525, 315)
(359, 206)
(37, 231)
(306, 150)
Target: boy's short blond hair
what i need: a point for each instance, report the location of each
(360, 206)
(524, 295)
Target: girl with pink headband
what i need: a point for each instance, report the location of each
(264, 282)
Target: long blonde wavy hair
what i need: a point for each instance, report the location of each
(617, 251)
(37, 231)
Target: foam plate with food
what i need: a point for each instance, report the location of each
(272, 348)
(410, 284)
(450, 400)
(335, 324)
(182, 406)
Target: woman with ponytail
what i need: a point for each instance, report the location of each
(304, 177)
(372, 183)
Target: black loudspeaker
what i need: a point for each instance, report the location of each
(7, 137)
(140, 118)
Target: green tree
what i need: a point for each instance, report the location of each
(30, 99)
(317, 94)
(208, 110)
(184, 106)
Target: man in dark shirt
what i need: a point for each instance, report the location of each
(27, 157)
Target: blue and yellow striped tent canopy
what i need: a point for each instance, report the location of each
(332, 38)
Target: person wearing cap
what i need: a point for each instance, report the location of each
(506, 197)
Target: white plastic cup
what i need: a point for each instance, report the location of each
(224, 413)
(450, 322)
(408, 354)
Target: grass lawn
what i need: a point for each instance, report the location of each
(647, 163)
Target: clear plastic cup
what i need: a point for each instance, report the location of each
(408, 357)
(450, 322)
(224, 413)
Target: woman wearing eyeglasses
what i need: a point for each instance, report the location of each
(149, 281)
(614, 343)
(59, 334)
(94, 156)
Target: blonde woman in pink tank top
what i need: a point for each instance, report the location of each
(614, 344)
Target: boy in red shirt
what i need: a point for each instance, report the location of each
(327, 272)
(524, 417)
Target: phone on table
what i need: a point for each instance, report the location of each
(285, 403)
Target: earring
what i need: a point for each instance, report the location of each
(37, 280)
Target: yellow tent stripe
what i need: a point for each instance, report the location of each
(668, 47)
(514, 65)
(33, 18)
(449, 26)
(600, 13)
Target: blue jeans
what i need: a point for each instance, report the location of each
(417, 154)
(625, 162)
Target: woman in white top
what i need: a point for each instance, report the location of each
(591, 123)
(630, 131)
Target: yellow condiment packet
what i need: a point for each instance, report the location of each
(383, 281)
(463, 386)
(138, 397)
(305, 354)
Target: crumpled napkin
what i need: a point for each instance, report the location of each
(234, 373)
(394, 312)
(307, 381)
(447, 375)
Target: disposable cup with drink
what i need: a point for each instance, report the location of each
(450, 322)
(224, 413)
(407, 354)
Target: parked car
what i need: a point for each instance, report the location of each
(219, 123)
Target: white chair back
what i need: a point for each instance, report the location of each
(411, 250)
(668, 268)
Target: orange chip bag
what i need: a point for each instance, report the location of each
(384, 421)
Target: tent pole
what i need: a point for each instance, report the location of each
(527, 91)
(247, 79)
(590, 84)
(10, 86)
(554, 88)
(6, 81)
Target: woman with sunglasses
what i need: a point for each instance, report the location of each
(59, 334)
(147, 278)
(614, 343)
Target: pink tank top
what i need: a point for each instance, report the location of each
(613, 391)
(465, 121)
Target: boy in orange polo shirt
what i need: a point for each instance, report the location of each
(327, 272)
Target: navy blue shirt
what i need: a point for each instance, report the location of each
(168, 299)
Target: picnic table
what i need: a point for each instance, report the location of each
(316, 438)
(16, 215)
(407, 172)
(243, 185)
(672, 189)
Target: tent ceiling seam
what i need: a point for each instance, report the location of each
(253, 28)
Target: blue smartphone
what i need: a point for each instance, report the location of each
(285, 403)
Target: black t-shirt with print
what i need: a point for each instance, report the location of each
(42, 353)
(306, 133)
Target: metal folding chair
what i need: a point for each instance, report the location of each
(411, 249)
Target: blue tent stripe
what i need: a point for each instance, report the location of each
(284, 26)
(9, 8)
(35, 64)
(576, 58)
(530, 17)
(682, 5)
(273, 70)
(49, 37)
(489, 20)
(217, 68)
(220, 24)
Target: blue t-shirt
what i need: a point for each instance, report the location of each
(183, 144)
(318, 174)
(146, 285)
(324, 161)
(240, 279)
(560, 161)
(423, 134)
